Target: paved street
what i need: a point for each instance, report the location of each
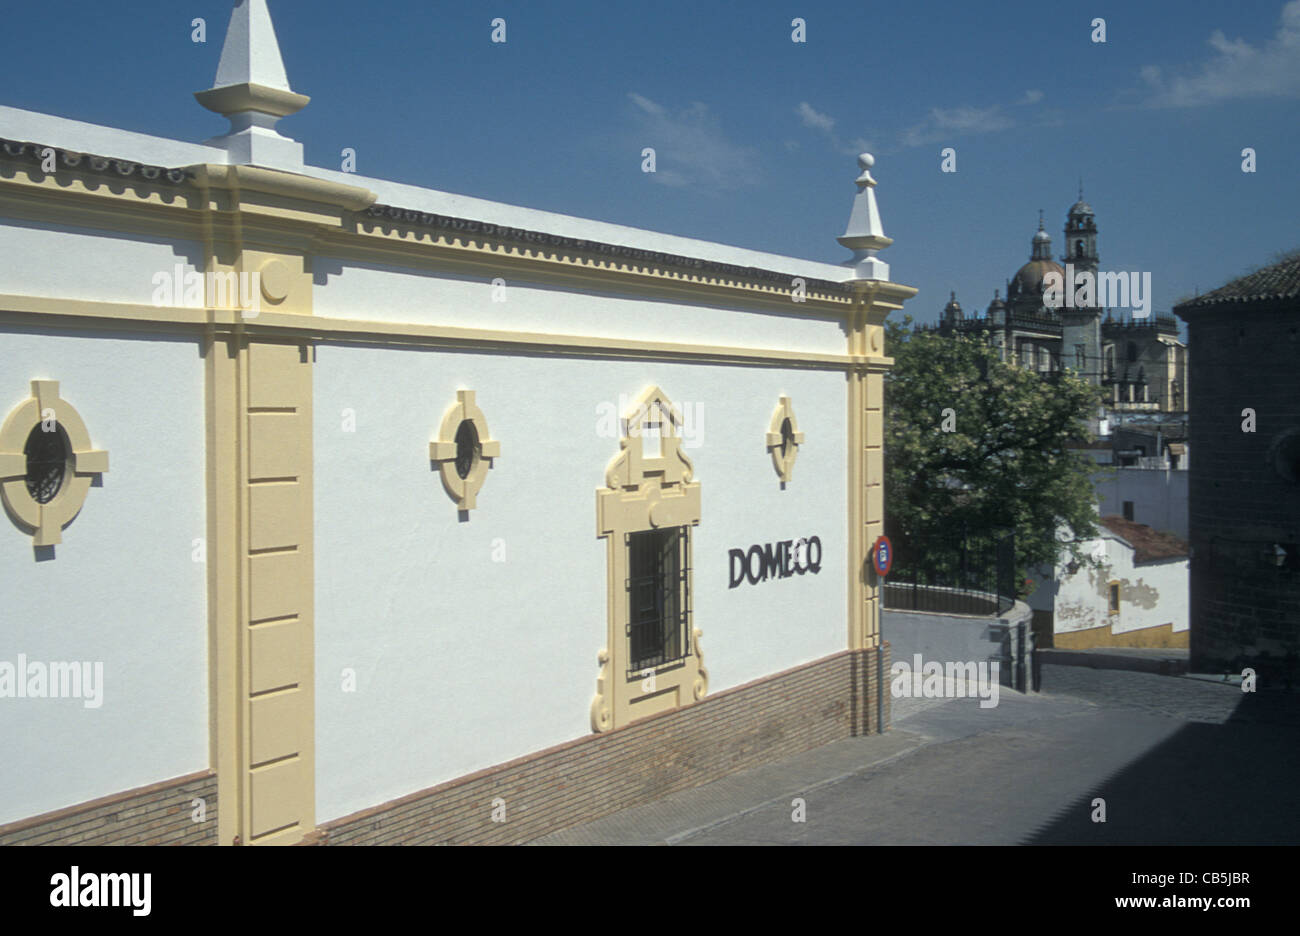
(1177, 760)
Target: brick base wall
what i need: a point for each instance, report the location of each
(778, 716)
(159, 814)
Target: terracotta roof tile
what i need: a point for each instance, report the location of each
(1148, 545)
(1278, 281)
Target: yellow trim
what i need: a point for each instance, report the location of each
(783, 460)
(45, 522)
(1118, 585)
(1157, 636)
(874, 300)
(283, 205)
(80, 313)
(644, 492)
(442, 451)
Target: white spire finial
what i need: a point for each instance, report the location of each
(251, 53)
(252, 89)
(865, 235)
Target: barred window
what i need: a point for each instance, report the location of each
(48, 453)
(658, 600)
(467, 448)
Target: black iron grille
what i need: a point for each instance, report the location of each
(467, 448)
(787, 438)
(658, 597)
(47, 462)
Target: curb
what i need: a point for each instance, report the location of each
(1100, 659)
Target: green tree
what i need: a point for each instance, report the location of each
(978, 446)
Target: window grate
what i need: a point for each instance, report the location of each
(468, 448)
(48, 453)
(658, 592)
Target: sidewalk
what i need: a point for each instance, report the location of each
(682, 815)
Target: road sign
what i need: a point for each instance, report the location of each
(882, 555)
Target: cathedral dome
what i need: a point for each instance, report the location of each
(1028, 280)
(1081, 207)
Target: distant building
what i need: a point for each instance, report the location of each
(1245, 482)
(1141, 364)
(1138, 598)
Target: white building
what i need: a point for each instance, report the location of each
(1138, 597)
(381, 514)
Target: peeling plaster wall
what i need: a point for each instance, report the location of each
(1151, 595)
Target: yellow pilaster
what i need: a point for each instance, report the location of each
(260, 518)
(873, 301)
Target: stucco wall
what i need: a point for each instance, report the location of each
(961, 638)
(1159, 497)
(43, 260)
(122, 589)
(463, 661)
(375, 293)
(1151, 594)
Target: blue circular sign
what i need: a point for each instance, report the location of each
(882, 555)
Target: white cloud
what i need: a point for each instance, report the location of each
(815, 119)
(812, 118)
(943, 124)
(647, 105)
(1237, 69)
(1032, 96)
(691, 148)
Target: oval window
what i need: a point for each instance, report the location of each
(48, 456)
(468, 448)
(787, 438)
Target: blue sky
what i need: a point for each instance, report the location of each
(756, 135)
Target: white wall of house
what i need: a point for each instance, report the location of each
(1151, 594)
(122, 589)
(374, 293)
(1159, 497)
(44, 260)
(462, 661)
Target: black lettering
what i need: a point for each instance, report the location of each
(737, 576)
(815, 565)
(755, 552)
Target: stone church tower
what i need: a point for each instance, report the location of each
(1081, 346)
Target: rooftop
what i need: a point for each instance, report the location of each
(1281, 280)
(253, 91)
(1148, 545)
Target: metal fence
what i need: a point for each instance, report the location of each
(961, 573)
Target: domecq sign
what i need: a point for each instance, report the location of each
(780, 560)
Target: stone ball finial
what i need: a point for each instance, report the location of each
(865, 162)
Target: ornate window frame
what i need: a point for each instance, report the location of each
(783, 457)
(643, 491)
(45, 522)
(443, 451)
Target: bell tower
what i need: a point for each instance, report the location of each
(1081, 236)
